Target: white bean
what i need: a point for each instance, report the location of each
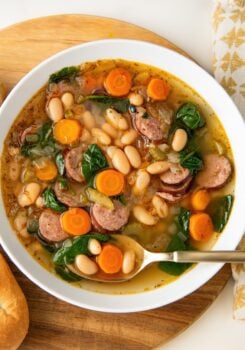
(24, 233)
(14, 170)
(143, 216)
(116, 119)
(129, 137)
(20, 220)
(158, 167)
(133, 156)
(111, 150)
(29, 194)
(86, 265)
(86, 136)
(128, 261)
(118, 143)
(180, 139)
(88, 120)
(94, 246)
(161, 206)
(67, 99)
(120, 162)
(39, 202)
(55, 109)
(142, 181)
(112, 132)
(135, 99)
(101, 136)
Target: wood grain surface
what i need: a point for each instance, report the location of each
(54, 323)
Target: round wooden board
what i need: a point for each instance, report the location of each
(55, 324)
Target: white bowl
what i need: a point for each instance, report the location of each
(221, 103)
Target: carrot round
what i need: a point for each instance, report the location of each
(158, 89)
(67, 131)
(201, 226)
(110, 182)
(76, 221)
(48, 172)
(200, 200)
(118, 82)
(110, 259)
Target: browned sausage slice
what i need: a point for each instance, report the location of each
(50, 227)
(216, 172)
(172, 198)
(175, 178)
(73, 160)
(95, 224)
(70, 197)
(110, 220)
(177, 189)
(147, 125)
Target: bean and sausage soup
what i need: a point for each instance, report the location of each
(116, 147)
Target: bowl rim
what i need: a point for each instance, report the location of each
(192, 279)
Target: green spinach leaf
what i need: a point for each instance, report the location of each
(93, 161)
(52, 202)
(190, 116)
(66, 274)
(64, 73)
(32, 226)
(190, 158)
(63, 182)
(178, 243)
(67, 254)
(219, 210)
(120, 104)
(59, 160)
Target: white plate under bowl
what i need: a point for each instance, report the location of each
(221, 103)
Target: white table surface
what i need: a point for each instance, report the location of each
(187, 23)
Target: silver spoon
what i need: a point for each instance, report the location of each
(144, 258)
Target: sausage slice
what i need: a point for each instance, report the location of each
(73, 160)
(172, 198)
(110, 220)
(177, 189)
(70, 197)
(50, 227)
(175, 178)
(217, 171)
(146, 125)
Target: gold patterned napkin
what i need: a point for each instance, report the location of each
(229, 70)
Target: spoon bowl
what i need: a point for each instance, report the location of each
(143, 258)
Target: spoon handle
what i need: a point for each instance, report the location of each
(209, 256)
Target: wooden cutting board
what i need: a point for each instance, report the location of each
(54, 323)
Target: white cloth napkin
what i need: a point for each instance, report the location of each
(229, 70)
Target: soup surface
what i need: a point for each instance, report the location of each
(116, 147)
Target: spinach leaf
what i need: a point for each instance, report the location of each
(93, 161)
(219, 210)
(120, 104)
(59, 160)
(63, 182)
(52, 202)
(178, 243)
(66, 274)
(190, 158)
(183, 221)
(121, 199)
(32, 226)
(190, 116)
(44, 145)
(62, 74)
(67, 254)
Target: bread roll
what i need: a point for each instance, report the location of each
(14, 315)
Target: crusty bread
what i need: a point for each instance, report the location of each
(14, 315)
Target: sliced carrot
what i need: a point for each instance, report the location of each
(48, 172)
(201, 226)
(118, 82)
(200, 200)
(76, 221)
(110, 259)
(110, 182)
(67, 131)
(158, 89)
